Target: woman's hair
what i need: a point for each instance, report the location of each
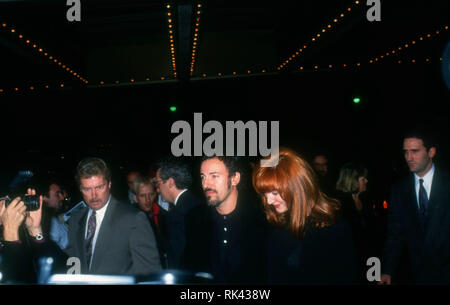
(295, 181)
(348, 181)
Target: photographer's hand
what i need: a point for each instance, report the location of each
(33, 219)
(12, 218)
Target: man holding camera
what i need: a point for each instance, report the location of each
(18, 254)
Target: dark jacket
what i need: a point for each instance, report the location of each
(175, 228)
(323, 256)
(200, 246)
(19, 261)
(125, 244)
(362, 223)
(428, 248)
(157, 218)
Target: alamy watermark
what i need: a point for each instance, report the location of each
(374, 272)
(75, 265)
(214, 143)
(374, 13)
(74, 12)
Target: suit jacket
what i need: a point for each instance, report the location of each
(175, 228)
(253, 235)
(428, 249)
(125, 244)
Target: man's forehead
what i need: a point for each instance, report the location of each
(145, 188)
(93, 180)
(133, 175)
(320, 159)
(413, 143)
(54, 187)
(213, 165)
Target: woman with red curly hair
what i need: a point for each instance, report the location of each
(309, 243)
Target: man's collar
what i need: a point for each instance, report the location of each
(428, 176)
(178, 196)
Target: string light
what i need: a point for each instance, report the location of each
(406, 45)
(34, 45)
(170, 19)
(358, 65)
(314, 39)
(194, 42)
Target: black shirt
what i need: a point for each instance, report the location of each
(226, 247)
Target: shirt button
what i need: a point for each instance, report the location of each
(224, 241)
(225, 229)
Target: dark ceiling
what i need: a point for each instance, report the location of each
(120, 41)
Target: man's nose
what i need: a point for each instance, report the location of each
(205, 183)
(94, 193)
(408, 156)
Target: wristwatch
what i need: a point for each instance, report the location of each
(38, 237)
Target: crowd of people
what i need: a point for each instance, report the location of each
(291, 225)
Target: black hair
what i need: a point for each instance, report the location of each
(179, 171)
(425, 134)
(233, 164)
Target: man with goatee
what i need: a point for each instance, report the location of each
(226, 236)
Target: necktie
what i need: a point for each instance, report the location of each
(423, 202)
(92, 224)
(171, 206)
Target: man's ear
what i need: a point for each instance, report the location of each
(432, 152)
(171, 182)
(236, 178)
(135, 198)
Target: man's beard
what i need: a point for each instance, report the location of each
(216, 203)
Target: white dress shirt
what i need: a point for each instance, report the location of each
(99, 215)
(163, 204)
(427, 181)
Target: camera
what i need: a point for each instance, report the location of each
(30, 201)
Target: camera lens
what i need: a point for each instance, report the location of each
(31, 202)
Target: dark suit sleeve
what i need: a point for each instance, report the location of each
(17, 263)
(395, 237)
(144, 251)
(71, 248)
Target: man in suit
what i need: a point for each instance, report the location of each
(109, 237)
(226, 237)
(146, 197)
(419, 216)
(173, 178)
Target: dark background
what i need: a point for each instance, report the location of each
(128, 122)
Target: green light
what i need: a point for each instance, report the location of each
(356, 100)
(173, 108)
